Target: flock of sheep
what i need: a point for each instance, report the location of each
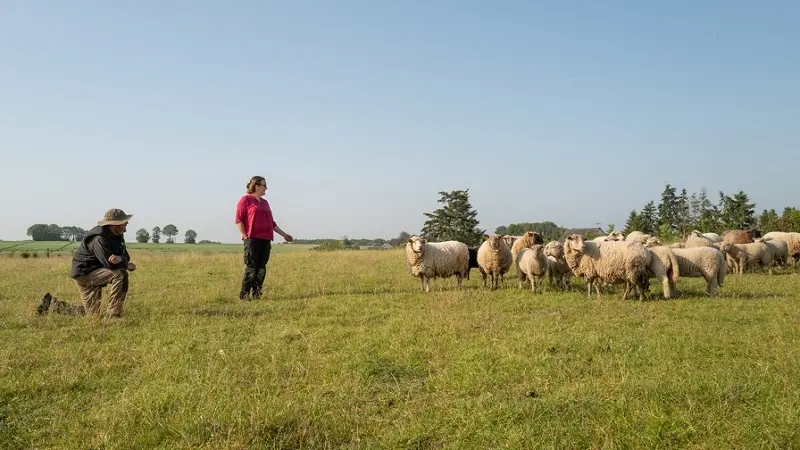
(631, 260)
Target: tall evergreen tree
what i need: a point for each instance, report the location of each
(668, 211)
(768, 221)
(455, 220)
(737, 212)
(635, 222)
(649, 218)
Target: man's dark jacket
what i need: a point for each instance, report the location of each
(95, 249)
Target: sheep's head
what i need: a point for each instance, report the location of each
(416, 243)
(723, 246)
(495, 241)
(616, 236)
(652, 242)
(537, 238)
(538, 250)
(509, 240)
(695, 233)
(554, 249)
(574, 242)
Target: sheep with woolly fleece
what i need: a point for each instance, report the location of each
(738, 236)
(754, 252)
(713, 237)
(531, 265)
(792, 240)
(528, 239)
(780, 250)
(613, 262)
(613, 236)
(509, 240)
(706, 262)
(557, 267)
(637, 236)
(663, 265)
(428, 260)
(494, 259)
(696, 239)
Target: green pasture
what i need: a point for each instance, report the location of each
(346, 352)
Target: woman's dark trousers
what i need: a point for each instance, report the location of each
(256, 256)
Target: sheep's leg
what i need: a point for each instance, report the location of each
(667, 288)
(597, 288)
(427, 284)
(711, 286)
(531, 278)
(459, 280)
(422, 282)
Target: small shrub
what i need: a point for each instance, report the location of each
(35, 255)
(25, 254)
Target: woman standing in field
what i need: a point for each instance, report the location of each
(257, 227)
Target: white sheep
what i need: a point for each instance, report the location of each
(494, 259)
(713, 237)
(697, 239)
(664, 266)
(637, 236)
(755, 252)
(528, 239)
(613, 236)
(557, 267)
(792, 240)
(612, 262)
(706, 262)
(780, 249)
(428, 260)
(531, 265)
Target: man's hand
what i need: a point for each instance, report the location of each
(244, 237)
(131, 267)
(288, 237)
(114, 259)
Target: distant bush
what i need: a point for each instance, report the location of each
(25, 254)
(329, 245)
(35, 255)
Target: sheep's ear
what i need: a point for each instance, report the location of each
(486, 236)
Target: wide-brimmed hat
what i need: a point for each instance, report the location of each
(114, 216)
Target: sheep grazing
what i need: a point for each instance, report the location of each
(706, 262)
(531, 265)
(664, 266)
(428, 260)
(755, 252)
(494, 259)
(637, 236)
(557, 267)
(612, 262)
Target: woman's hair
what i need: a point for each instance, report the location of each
(255, 181)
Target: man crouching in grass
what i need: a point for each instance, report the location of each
(101, 260)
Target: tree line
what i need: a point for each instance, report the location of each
(170, 231)
(679, 213)
(53, 232)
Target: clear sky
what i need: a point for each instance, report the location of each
(359, 112)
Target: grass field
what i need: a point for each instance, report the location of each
(346, 352)
(68, 247)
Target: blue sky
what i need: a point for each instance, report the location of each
(359, 112)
